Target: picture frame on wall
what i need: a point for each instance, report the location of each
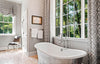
(36, 20)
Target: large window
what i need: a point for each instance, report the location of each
(57, 17)
(74, 18)
(6, 24)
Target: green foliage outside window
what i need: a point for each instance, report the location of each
(1, 17)
(86, 19)
(7, 18)
(77, 4)
(57, 3)
(71, 18)
(65, 1)
(72, 31)
(5, 24)
(86, 2)
(57, 17)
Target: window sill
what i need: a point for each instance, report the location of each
(7, 34)
(73, 39)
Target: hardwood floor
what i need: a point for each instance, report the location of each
(16, 57)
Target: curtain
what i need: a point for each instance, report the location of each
(93, 21)
(47, 21)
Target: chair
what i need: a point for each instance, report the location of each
(16, 42)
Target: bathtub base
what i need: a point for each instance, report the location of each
(46, 59)
(49, 53)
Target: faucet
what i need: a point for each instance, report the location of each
(63, 41)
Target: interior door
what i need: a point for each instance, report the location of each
(24, 31)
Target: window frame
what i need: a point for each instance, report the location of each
(82, 19)
(13, 31)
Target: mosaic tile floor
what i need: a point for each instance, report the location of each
(16, 57)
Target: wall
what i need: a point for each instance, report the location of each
(35, 7)
(5, 8)
(81, 44)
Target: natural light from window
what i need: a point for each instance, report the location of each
(72, 14)
(6, 24)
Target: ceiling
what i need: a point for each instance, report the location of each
(16, 1)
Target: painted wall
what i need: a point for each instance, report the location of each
(81, 44)
(35, 7)
(5, 8)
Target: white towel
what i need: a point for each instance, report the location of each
(40, 34)
(34, 33)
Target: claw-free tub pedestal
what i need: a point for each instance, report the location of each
(49, 53)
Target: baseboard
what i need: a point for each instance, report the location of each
(3, 48)
(6, 48)
(27, 53)
(32, 53)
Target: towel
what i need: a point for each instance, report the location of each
(40, 34)
(34, 33)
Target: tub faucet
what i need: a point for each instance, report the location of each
(62, 40)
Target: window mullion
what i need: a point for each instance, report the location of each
(82, 19)
(61, 17)
(13, 26)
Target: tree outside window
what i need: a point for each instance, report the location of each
(6, 22)
(72, 18)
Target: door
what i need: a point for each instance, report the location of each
(24, 31)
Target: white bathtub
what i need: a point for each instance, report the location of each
(49, 53)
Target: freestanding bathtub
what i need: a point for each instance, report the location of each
(49, 53)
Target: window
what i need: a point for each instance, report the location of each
(74, 18)
(57, 17)
(6, 24)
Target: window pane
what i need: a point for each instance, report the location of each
(71, 18)
(5, 19)
(86, 31)
(86, 19)
(64, 1)
(68, 31)
(65, 9)
(78, 31)
(58, 12)
(10, 28)
(69, 0)
(1, 17)
(64, 20)
(72, 31)
(1, 28)
(57, 3)
(57, 22)
(77, 5)
(86, 3)
(70, 7)
(7, 28)
(78, 17)
(64, 31)
(57, 31)
(9, 18)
